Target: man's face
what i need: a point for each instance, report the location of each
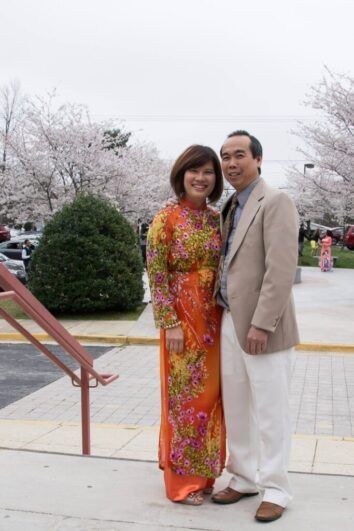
(238, 165)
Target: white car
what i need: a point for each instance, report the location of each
(15, 267)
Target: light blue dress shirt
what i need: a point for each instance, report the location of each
(242, 200)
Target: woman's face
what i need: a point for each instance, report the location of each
(199, 183)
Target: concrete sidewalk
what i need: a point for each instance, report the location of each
(46, 492)
(125, 415)
(312, 454)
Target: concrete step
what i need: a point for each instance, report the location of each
(41, 491)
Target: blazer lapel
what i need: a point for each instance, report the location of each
(251, 208)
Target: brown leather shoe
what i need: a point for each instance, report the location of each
(267, 512)
(229, 495)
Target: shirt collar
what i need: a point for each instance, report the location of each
(189, 204)
(244, 195)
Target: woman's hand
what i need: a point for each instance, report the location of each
(175, 339)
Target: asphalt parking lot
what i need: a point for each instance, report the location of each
(24, 369)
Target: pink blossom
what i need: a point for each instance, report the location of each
(159, 277)
(202, 430)
(208, 339)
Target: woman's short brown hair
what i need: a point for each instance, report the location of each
(194, 157)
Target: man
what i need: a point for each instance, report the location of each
(26, 254)
(144, 227)
(259, 331)
(301, 239)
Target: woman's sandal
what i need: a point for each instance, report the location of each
(208, 490)
(193, 498)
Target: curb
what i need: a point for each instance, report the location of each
(145, 340)
(142, 427)
(323, 347)
(92, 338)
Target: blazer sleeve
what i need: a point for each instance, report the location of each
(280, 236)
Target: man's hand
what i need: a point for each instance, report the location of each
(256, 341)
(175, 339)
(171, 202)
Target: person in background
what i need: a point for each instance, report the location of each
(301, 238)
(144, 227)
(26, 254)
(315, 238)
(182, 259)
(314, 247)
(326, 255)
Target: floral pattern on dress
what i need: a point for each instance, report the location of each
(182, 256)
(193, 243)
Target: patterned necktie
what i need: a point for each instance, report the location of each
(226, 229)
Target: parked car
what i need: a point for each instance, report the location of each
(30, 235)
(13, 248)
(338, 233)
(15, 267)
(4, 233)
(349, 237)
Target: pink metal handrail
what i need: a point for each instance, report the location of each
(14, 290)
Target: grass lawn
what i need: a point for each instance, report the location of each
(17, 313)
(345, 257)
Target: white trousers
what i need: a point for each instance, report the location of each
(255, 390)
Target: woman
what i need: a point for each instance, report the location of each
(183, 253)
(326, 258)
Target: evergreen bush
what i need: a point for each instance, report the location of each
(28, 226)
(88, 260)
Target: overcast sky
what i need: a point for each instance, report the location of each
(182, 71)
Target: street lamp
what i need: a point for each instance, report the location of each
(308, 166)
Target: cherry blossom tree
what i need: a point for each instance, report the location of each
(58, 152)
(328, 189)
(142, 185)
(10, 103)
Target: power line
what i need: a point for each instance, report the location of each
(210, 119)
(285, 161)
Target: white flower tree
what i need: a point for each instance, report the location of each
(328, 189)
(56, 152)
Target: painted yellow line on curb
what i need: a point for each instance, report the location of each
(144, 340)
(90, 338)
(80, 337)
(322, 347)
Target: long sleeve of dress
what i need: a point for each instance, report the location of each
(158, 248)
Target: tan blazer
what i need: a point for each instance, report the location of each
(262, 265)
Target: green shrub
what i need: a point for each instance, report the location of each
(28, 226)
(88, 260)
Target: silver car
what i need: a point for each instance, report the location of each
(15, 267)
